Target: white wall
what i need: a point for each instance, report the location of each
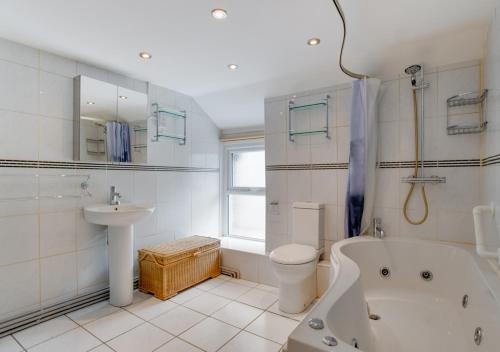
(48, 252)
(490, 189)
(450, 217)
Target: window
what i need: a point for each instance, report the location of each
(245, 200)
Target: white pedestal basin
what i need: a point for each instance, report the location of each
(120, 220)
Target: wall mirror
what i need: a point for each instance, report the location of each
(110, 122)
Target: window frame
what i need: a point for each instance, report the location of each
(227, 186)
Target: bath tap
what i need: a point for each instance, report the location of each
(378, 232)
(114, 196)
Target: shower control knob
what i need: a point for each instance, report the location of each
(330, 341)
(316, 324)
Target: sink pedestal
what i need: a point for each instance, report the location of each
(121, 264)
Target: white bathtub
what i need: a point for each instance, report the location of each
(415, 315)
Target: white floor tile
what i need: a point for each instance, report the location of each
(44, 331)
(246, 342)
(79, 340)
(150, 308)
(144, 338)
(93, 312)
(244, 282)
(178, 320)
(258, 298)
(273, 327)
(210, 284)
(237, 314)
(177, 345)
(299, 316)
(210, 334)
(102, 348)
(230, 290)
(186, 295)
(113, 325)
(8, 344)
(268, 288)
(207, 303)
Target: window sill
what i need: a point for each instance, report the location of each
(244, 245)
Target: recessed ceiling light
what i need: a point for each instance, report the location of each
(219, 14)
(90, 103)
(313, 41)
(232, 67)
(123, 97)
(145, 55)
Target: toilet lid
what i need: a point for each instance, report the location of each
(293, 254)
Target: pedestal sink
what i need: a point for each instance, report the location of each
(120, 220)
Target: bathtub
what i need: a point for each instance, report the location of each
(417, 291)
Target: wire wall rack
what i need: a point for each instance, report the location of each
(469, 109)
(78, 182)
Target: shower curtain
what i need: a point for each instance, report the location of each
(118, 141)
(362, 157)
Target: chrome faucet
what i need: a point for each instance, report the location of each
(378, 232)
(114, 196)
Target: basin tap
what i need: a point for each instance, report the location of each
(378, 232)
(114, 196)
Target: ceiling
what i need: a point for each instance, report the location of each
(267, 39)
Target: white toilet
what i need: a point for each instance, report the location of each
(295, 264)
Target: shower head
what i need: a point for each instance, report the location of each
(412, 71)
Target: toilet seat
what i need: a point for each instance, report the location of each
(293, 254)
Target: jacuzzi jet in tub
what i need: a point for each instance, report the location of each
(426, 275)
(374, 317)
(478, 336)
(354, 343)
(385, 272)
(465, 301)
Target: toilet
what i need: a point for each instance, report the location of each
(295, 264)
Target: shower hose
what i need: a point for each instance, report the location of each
(415, 173)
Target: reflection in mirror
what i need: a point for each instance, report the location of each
(110, 122)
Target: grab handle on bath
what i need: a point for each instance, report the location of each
(484, 227)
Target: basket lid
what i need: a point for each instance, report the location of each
(183, 245)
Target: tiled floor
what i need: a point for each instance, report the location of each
(221, 314)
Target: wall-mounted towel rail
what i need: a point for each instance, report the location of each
(38, 195)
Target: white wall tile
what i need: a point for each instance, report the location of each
(56, 96)
(58, 277)
(23, 293)
(57, 64)
(18, 135)
(92, 267)
(276, 144)
(18, 53)
(324, 186)
(57, 233)
(56, 139)
(19, 88)
(276, 117)
(389, 101)
(19, 238)
(299, 186)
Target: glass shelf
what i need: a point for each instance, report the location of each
(160, 112)
(298, 133)
(308, 106)
(175, 115)
(140, 146)
(140, 129)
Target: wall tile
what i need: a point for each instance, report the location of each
(299, 186)
(18, 135)
(56, 96)
(57, 233)
(18, 53)
(56, 139)
(57, 64)
(19, 238)
(23, 293)
(324, 186)
(276, 153)
(58, 277)
(92, 267)
(19, 89)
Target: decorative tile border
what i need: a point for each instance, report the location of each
(97, 166)
(381, 165)
(491, 160)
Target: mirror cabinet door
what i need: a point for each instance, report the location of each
(111, 122)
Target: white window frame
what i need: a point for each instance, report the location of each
(227, 187)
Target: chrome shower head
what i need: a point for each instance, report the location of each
(412, 71)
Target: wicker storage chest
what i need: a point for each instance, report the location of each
(167, 269)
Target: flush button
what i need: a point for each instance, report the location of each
(330, 341)
(316, 324)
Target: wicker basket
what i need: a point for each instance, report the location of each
(167, 269)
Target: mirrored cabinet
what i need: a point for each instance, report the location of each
(110, 122)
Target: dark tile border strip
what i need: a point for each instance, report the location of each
(491, 160)
(381, 165)
(97, 166)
